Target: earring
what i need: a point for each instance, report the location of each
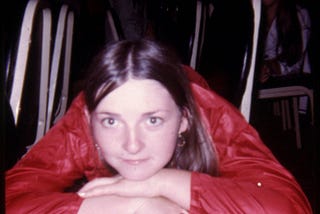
(99, 151)
(97, 146)
(181, 140)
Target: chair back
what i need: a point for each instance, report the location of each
(228, 51)
(38, 70)
(199, 32)
(29, 69)
(60, 66)
(246, 101)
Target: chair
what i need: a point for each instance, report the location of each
(178, 24)
(39, 90)
(113, 31)
(245, 88)
(229, 50)
(293, 93)
(29, 68)
(288, 91)
(199, 32)
(60, 67)
(245, 106)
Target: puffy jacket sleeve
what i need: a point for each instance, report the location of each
(251, 180)
(37, 183)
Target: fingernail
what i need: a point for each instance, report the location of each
(81, 194)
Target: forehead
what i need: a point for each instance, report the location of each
(137, 94)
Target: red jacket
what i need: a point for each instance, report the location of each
(251, 180)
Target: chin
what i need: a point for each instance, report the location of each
(136, 176)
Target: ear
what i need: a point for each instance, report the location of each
(184, 124)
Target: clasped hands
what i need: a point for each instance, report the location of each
(269, 68)
(148, 194)
(118, 185)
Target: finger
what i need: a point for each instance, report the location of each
(99, 182)
(96, 191)
(122, 188)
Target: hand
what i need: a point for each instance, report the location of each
(169, 183)
(110, 204)
(273, 66)
(119, 186)
(160, 205)
(265, 74)
(129, 205)
(269, 68)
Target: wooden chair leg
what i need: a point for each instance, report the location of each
(276, 108)
(296, 122)
(283, 115)
(287, 112)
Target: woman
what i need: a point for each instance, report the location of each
(149, 141)
(286, 33)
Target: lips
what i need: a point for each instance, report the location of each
(134, 161)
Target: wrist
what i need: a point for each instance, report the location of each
(175, 185)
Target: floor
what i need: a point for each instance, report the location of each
(301, 162)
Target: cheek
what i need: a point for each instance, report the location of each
(108, 141)
(166, 138)
(162, 142)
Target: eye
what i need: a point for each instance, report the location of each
(154, 121)
(110, 122)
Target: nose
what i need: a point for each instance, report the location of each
(134, 143)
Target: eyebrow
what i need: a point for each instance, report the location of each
(107, 113)
(154, 112)
(119, 115)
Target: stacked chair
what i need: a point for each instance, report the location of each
(38, 70)
(286, 96)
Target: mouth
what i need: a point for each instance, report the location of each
(134, 161)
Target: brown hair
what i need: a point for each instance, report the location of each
(145, 59)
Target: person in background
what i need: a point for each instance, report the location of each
(287, 29)
(147, 135)
(286, 32)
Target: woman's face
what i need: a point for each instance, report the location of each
(136, 127)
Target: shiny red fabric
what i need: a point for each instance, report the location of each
(251, 180)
